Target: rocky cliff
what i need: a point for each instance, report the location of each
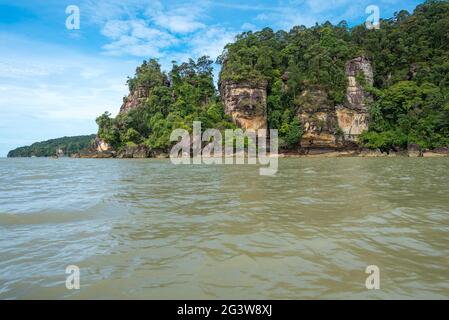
(353, 116)
(134, 99)
(318, 118)
(246, 103)
(100, 145)
(325, 125)
(336, 127)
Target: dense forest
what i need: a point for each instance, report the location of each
(175, 100)
(69, 145)
(409, 54)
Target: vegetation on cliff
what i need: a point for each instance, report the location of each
(410, 57)
(173, 101)
(69, 145)
(410, 54)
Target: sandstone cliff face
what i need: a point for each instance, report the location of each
(325, 125)
(318, 120)
(356, 96)
(100, 145)
(246, 103)
(134, 99)
(353, 116)
(328, 126)
(98, 149)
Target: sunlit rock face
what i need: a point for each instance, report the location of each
(99, 145)
(353, 116)
(246, 103)
(318, 120)
(356, 96)
(334, 127)
(353, 123)
(134, 99)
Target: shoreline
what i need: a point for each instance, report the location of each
(288, 155)
(313, 153)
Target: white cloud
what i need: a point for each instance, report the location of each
(147, 28)
(10, 68)
(135, 38)
(180, 20)
(131, 46)
(248, 27)
(99, 12)
(114, 29)
(211, 42)
(184, 17)
(178, 24)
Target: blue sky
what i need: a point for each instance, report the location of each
(55, 81)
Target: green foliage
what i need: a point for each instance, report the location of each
(310, 56)
(174, 101)
(148, 75)
(408, 113)
(411, 58)
(409, 54)
(291, 133)
(291, 63)
(70, 145)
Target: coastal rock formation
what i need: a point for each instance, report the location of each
(141, 152)
(99, 145)
(353, 116)
(134, 99)
(135, 152)
(361, 68)
(327, 126)
(351, 122)
(98, 149)
(318, 120)
(414, 150)
(246, 103)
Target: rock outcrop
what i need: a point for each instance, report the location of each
(332, 127)
(414, 150)
(353, 116)
(325, 125)
(134, 99)
(318, 119)
(99, 145)
(246, 103)
(134, 152)
(98, 149)
(356, 96)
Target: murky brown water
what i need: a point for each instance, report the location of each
(148, 229)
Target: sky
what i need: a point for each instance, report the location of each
(55, 81)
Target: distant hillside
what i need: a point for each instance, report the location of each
(69, 145)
